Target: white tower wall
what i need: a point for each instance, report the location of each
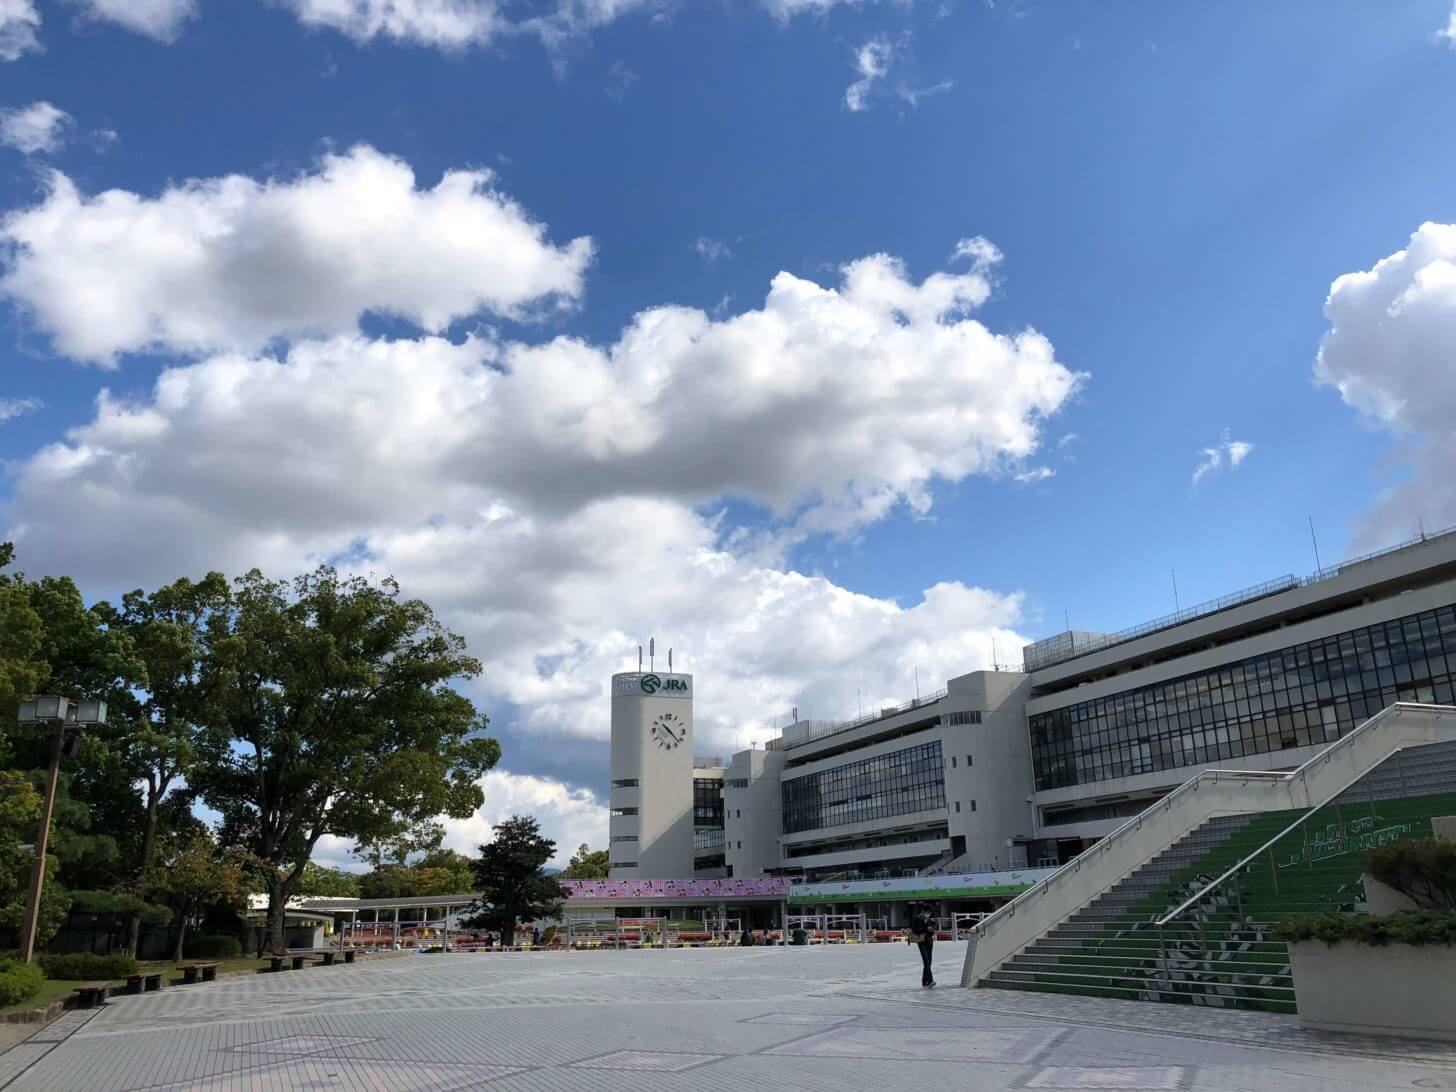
(652, 776)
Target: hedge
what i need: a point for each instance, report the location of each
(18, 981)
(84, 966)
(213, 946)
(1423, 869)
(1418, 928)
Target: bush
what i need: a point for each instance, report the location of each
(84, 966)
(212, 946)
(1423, 869)
(1417, 928)
(18, 981)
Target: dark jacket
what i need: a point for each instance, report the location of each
(920, 926)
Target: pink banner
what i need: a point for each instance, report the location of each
(759, 886)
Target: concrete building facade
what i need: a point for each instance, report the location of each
(650, 828)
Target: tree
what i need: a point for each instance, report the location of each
(198, 876)
(331, 713)
(442, 872)
(22, 667)
(327, 882)
(166, 629)
(19, 815)
(510, 876)
(587, 864)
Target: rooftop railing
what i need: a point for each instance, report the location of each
(818, 729)
(1037, 659)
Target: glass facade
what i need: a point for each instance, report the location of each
(707, 803)
(1307, 694)
(874, 788)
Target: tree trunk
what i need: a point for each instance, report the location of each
(277, 943)
(181, 932)
(508, 933)
(149, 841)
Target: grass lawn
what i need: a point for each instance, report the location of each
(49, 990)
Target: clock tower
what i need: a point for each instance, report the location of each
(651, 826)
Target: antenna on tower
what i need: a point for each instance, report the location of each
(652, 653)
(995, 660)
(639, 659)
(669, 661)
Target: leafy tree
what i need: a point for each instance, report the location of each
(399, 843)
(19, 814)
(327, 882)
(22, 667)
(167, 631)
(510, 876)
(1422, 869)
(331, 713)
(388, 881)
(198, 876)
(587, 864)
(443, 872)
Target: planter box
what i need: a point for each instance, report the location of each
(1395, 990)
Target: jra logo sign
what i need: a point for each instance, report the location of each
(651, 684)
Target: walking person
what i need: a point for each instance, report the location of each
(922, 931)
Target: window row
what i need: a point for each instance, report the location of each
(899, 783)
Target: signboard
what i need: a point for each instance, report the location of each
(652, 684)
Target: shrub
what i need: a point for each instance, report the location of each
(1423, 869)
(1416, 928)
(18, 981)
(84, 966)
(213, 946)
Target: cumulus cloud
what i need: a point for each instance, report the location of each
(39, 127)
(159, 19)
(1388, 351)
(1448, 33)
(569, 816)
(11, 408)
(559, 501)
(1225, 452)
(232, 263)
(19, 22)
(872, 62)
(444, 24)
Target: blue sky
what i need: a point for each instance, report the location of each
(1172, 189)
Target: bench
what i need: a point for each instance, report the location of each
(192, 973)
(91, 994)
(348, 955)
(144, 981)
(287, 962)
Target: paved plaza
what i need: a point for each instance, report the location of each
(726, 1019)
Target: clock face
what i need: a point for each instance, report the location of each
(669, 730)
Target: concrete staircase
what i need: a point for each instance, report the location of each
(1195, 923)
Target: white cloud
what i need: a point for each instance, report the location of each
(444, 24)
(913, 95)
(557, 501)
(1232, 452)
(712, 251)
(1034, 474)
(1388, 351)
(11, 408)
(872, 62)
(18, 24)
(39, 127)
(159, 19)
(232, 263)
(568, 816)
(1448, 34)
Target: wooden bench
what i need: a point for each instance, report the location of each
(144, 982)
(348, 955)
(192, 973)
(91, 994)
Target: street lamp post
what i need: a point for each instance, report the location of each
(62, 713)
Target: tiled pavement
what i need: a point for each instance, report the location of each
(757, 1020)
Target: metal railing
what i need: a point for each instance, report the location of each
(1090, 643)
(1206, 778)
(819, 729)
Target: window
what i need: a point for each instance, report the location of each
(624, 811)
(958, 807)
(707, 803)
(971, 717)
(899, 783)
(952, 762)
(968, 761)
(1300, 696)
(625, 783)
(737, 782)
(624, 864)
(973, 805)
(624, 837)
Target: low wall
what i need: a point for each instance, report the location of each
(1393, 990)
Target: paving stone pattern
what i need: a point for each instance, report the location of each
(720, 1020)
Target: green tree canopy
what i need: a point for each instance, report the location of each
(511, 879)
(331, 712)
(587, 864)
(321, 880)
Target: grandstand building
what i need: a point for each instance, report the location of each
(1017, 770)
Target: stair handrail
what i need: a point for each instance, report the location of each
(1300, 773)
(1182, 908)
(1134, 823)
